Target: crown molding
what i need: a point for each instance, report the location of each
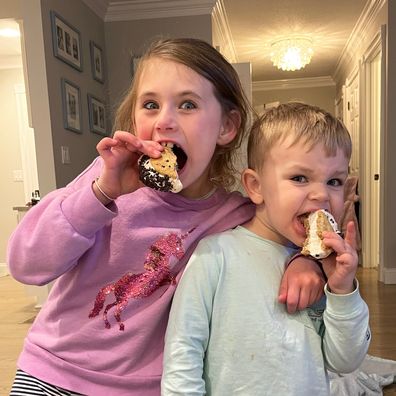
(150, 9)
(294, 83)
(358, 34)
(220, 21)
(99, 7)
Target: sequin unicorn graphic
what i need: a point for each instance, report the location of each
(133, 286)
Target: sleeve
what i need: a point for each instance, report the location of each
(347, 334)
(55, 233)
(187, 334)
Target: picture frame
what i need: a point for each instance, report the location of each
(71, 105)
(97, 115)
(96, 62)
(66, 42)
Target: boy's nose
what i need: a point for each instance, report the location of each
(319, 193)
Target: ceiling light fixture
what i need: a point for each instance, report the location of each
(8, 32)
(291, 53)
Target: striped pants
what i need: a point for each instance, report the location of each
(24, 384)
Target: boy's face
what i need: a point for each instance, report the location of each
(177, 105)
(294, 181)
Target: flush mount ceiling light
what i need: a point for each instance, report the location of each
(292, 53)
(8, 32)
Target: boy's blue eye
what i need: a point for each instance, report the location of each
(150, 105)
(188, 105)
(335, 182)
(299, 179)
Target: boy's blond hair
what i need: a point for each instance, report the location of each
(304, 122)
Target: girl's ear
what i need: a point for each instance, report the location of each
(229, 128)
(252, 185)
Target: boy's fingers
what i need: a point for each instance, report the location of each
(350, 235)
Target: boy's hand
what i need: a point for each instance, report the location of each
(302, 284)
(341, 268)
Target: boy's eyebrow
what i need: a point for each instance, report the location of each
(303, 169)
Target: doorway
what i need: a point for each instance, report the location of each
(371, 135)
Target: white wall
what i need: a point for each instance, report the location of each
(319, 96)
(12, 193)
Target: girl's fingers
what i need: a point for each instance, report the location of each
(134, 144)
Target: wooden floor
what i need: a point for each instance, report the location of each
(17, 313)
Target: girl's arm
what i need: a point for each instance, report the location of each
(55, 233)
(302, 284)
(187, 334)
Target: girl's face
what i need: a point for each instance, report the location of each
(177, 105)
(295, 181)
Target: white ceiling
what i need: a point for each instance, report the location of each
(252, 26)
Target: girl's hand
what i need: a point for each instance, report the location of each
(120, 174)
(341, 268)
(302, 284)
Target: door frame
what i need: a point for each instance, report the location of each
(372, 206)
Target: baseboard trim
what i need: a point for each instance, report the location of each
(3, 269)
(388, 276)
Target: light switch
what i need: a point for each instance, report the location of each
(65, 155)
(18, 175)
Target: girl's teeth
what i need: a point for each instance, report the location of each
(168, 144)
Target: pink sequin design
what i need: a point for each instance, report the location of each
(129, 286)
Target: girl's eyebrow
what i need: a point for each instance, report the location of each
(180, 94)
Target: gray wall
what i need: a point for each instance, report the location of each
(389, 179)
(129, 38)
(81, 146)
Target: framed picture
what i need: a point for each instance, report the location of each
(71, 101)
(66, 42)
(97, 115)
(97, 62)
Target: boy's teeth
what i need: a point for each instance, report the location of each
(167, 144)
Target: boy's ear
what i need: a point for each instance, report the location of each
(252, 186)
(229, 128)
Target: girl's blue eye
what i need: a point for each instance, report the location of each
(299, 179)
(335, 182)
(188, 106)
(150, 105)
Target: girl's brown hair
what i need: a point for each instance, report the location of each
(205, 60)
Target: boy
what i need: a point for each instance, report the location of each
(227, 333)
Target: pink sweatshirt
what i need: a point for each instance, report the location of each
(71, 237)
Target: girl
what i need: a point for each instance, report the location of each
(116, 248)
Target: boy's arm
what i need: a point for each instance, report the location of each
(187, 333)
(347, 334)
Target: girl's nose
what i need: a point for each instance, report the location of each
(166, 121)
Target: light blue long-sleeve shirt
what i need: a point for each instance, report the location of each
(228, 335)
